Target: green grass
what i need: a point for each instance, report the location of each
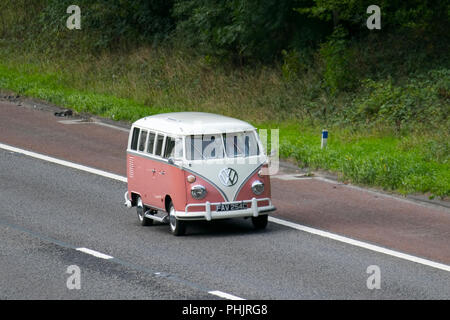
(148, 83)
(381, 158)
(48, 87)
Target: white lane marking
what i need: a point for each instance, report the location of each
(111, 126)
(361, 244)
(64, 163)
(296, 226)
(225, 295)
(95, 253)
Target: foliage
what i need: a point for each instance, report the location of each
(372, 158)
(244, 30)
(422, 99)
(425, 15)
(105, 23)
(339, 73)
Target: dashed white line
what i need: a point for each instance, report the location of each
(95, 253)
(296, 226)
(225, 295)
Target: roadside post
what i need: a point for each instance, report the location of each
(324, 139)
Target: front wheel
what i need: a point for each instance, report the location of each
(140, 208)
(177, 227)
(260, 222)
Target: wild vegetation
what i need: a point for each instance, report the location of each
(297, 65)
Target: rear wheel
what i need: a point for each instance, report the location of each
(140, 208)
(177, 227)
(260, 222)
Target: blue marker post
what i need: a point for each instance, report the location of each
(324, 139)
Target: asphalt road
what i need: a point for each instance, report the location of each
(415, 228)
(48, 210)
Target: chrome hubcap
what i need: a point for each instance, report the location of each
(172, 218)
(140, 208)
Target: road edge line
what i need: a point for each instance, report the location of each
(361, 244)
(63, 162)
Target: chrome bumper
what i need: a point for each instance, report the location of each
(210, 214)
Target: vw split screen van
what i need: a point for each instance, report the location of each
(188, 166)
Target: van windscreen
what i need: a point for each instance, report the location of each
(241, 144)
(204, 147)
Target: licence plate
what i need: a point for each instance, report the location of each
(231, 206)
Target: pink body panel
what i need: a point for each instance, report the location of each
(145, 178)
(153, 180)
(246, 192)
(212, 195)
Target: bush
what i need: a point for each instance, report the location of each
(418, 101)
(337, 59)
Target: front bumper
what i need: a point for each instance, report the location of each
(209, 214)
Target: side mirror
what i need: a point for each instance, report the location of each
(171, 160)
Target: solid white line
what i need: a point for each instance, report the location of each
(224, 295)
(361, 244)
(296, 226)
(64, 163)
(95, 253)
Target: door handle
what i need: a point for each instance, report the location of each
(162, 172)
(153, 170)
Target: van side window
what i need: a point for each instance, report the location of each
(142, 140)
(134, 139)
(170, 147)
(151, 142)
(159, 144)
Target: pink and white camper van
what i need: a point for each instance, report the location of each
(196, 166)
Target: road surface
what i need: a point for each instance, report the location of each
(48, 212)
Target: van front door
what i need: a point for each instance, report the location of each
(154, 147)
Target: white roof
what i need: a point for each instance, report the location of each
(185, 123)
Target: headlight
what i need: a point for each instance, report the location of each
(198, 192)
(258, 187)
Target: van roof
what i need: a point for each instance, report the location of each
(186, 123)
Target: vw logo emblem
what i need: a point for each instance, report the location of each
(228, 177)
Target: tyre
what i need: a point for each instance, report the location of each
(140, 208)
(176, 227)
(260, 222)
